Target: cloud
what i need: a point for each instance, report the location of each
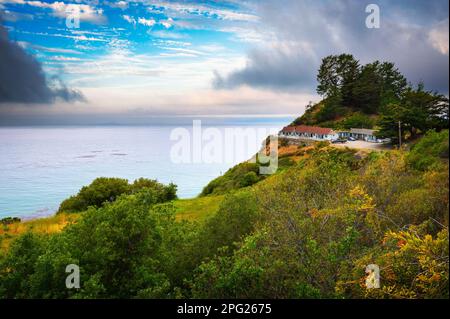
(298, 34)
(438, 37)
(279, 67)
(147, 22)
(168, 35)
(204, 10)
(167, 23)
(129, 19)
(61, 10)
(117, 4)
(13, 16)
(22, 79)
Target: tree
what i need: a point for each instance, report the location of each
(418, 111)
(378, 85)
(393, 83)
(337, 74)
(17, 268)
(367, 89)
(115, 247)
(103, 190)
(389, 121)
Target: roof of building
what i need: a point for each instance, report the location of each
(308, 129)
(364, 131)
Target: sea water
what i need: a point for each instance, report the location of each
(41, 166)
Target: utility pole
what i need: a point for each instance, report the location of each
(399, 134)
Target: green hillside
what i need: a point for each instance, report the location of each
(375, 95)
(307, 232)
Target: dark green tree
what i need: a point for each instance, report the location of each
(418, 111)
(367, 89)
(337, 74)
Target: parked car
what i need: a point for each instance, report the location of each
(351, 139)
(384, 140)
(339, 141)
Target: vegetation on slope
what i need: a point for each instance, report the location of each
(375, 95)
(241, 175)
(197, 209)
(103, 190)
(306, 232)
(49, 225)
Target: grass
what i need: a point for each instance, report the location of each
(187, 209)
(47, 225)
(197, 208)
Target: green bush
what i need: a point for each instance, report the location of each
(241, 175)
(18, 266)
(103, 190)
(429, 151)
(9, 220)
(357, 120)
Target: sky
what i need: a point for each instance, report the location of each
(97, 62)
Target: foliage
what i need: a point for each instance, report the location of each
(16, 268)
(429, 150)
(357, 120)
(197, 209)
(9, 220)
(413, 266)
(241, 175)
(103, 190)
(417, 112)
(306, 232)
(349, 88)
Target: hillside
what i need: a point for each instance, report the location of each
(308, 231)
(374, 96)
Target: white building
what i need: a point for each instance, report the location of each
(363, 134)
(309, 132)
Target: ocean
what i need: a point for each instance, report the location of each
(41, 166)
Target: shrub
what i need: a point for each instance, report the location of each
(357, 120)
(103, 190)
(242, 175)
(429, 151)
(9, 220)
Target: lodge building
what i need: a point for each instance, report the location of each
(309, 132)
(326, 134)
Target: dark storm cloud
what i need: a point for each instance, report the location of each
(413, 35)
(270, 68)
(22, 79)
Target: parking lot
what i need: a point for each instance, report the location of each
(364, 145)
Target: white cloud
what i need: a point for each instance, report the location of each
(64, 58)
(190, 52)
(438, 37)
(74, 37)
(207, 11)
(147, 22)
(167, 23)
(129, 19)
(168, 35)
(118, 4)
(61, 10)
